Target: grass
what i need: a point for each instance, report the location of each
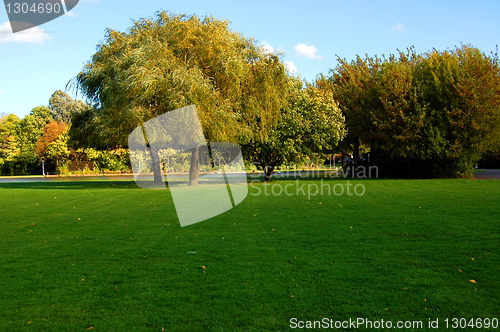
(109, 256)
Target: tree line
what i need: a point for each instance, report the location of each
(44, 135)
(421, 115)
(435, 114)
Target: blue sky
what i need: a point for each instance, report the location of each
(311, 33)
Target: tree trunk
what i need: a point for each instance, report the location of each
(194, 169)
(268, 172)
(355, 158)
(158, 179)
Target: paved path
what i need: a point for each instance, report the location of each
(18, 179)
(484, 174)
(488, 174)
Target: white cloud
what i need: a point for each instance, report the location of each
(267, 48)
(34, 35)
(307, 51)
(397, 28)
(291, 67)
(71, 14)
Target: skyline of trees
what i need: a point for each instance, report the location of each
(434, 114)
(421, 115)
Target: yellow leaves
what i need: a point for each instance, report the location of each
(473, 281)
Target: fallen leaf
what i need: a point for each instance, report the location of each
(473, 281)
(460, 270)
(30, 322)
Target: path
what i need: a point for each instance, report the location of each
(488, 174)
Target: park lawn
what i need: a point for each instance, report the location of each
(109, 256)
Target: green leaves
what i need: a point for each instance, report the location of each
(63, 107)
(429, 115)
(171, 61)
(311, 123)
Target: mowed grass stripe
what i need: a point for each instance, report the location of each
(112, 256)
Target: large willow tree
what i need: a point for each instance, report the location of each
(171, 61)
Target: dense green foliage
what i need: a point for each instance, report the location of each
(9, 144)
(111, 256)
(242, 92)
(171, 61)
(310, 125)
(429, 115)
(64, 108)
(38, 137)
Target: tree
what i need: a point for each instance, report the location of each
(28, 132)
(310, 123)
(52, 144)
(461, 94)
(9, 145)
(350, 85)
(430, 115)
(63, 107)
(172, 61)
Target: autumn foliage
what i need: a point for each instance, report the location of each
(50, 134)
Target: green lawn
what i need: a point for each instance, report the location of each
(109, 256)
